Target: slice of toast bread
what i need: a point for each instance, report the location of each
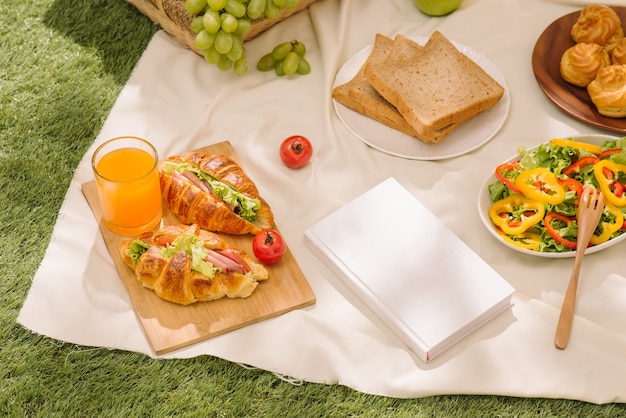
(437, 88)
(370, 103)
(402, 49)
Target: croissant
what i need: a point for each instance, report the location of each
(618, 54)
(163, 261)
(213, 192)
(580, 63)
(608, 91)
(598, 24)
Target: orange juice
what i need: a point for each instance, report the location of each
(128, 188)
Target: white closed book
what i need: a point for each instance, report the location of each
(409, 269)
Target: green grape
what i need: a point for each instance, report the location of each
(211, 55)
(279, 3)
(229, 22)
(299, 48)
(224, 63)
(235, 8)
(243, 25)
(236, 51)
(266, 63)
(286, 58)
(278, 68)
(204, 40)
(256, 9)
(271, 10)
(223, 42)
(197, 24)
(212, 21)
(303, 66)
(216, 5)
(290, 63)
(290, 4)
(195, 6)
(240, 66)
(281, 50)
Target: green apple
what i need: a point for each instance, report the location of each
(437, 7)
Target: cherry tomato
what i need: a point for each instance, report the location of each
(268, 246)
(296, 151)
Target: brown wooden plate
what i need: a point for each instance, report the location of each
(169, 326)
(546, 59)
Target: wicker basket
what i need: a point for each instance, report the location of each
(176, 21)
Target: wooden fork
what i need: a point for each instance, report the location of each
(588, 213)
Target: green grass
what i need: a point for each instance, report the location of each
(62, 65)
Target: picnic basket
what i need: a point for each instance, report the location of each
(175, 20)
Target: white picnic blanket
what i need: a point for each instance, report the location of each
(179, 102)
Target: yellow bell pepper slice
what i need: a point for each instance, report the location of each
(528, 240)
(609, 228)
(606, 173)
(540, 184)
(595, 149)
(516, 213)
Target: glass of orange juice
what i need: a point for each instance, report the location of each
(127, 179)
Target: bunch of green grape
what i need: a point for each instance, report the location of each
(285, 59)
(220, 25)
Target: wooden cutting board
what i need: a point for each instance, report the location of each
(169, 326)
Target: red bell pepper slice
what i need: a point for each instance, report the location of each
(608, 153)
(547, 223)
(615, 186)
(618, 189)
(510, 183)
(571, 184)
(575, 167)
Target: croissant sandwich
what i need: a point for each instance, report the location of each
(213, 192)
(185, 264)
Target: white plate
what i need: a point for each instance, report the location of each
(484, 203)
(465, 138)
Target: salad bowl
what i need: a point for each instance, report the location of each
(485, 203)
